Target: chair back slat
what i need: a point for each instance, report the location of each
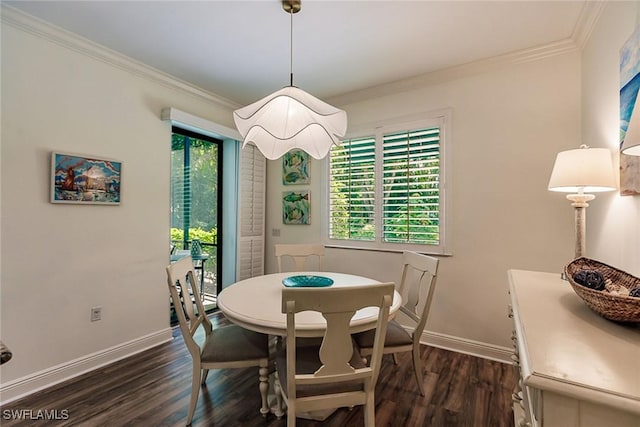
(337, 305)
(336, 348)
(187, 304)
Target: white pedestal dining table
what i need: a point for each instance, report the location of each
(256, 304)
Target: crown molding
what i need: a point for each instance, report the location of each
(459, 71)
(591, 11)
(40, 28)
(589, 15)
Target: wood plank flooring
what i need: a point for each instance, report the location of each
(152, 389)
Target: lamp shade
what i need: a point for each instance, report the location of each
(631, 143)
(585, 169)
(291, 118)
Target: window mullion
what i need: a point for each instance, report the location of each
(349, 185)
(379, 188)
(408, 180)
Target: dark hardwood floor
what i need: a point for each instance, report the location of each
(152, 389)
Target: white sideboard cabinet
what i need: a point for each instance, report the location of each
(576, 368)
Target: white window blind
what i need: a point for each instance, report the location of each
(251, 211)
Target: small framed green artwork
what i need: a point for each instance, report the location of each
(295, 168)
(296, 207)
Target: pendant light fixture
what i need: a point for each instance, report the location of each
(291, 118)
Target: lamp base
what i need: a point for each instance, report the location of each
(580, 205)
(580, 200)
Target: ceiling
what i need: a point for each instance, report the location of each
(240, 50)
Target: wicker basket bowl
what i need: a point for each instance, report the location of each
(610, 306)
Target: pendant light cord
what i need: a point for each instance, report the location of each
(291, 48)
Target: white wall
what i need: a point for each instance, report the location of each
(509, 122)
(613, 221)
(58, 261)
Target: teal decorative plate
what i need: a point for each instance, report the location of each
(307, 282)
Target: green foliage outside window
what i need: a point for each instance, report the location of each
(177, 237)
(352, 190)
(201, 204)
(408, 191)
(194, 197)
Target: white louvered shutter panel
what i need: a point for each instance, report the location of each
(411, 187)
(251, 213)
(352, 189)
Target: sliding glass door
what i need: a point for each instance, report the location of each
(196, 196)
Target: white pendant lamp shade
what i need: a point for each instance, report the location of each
(589, 170)
(631, 143)
(291, 118)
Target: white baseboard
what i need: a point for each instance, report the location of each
(29, 384)
(465, 346)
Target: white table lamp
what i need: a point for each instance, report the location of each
(580, 172)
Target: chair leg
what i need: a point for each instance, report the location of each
(291, 407)
(370, 411)
(395, 358)
(417, 367)
(263, 373)
(277, 388)
(195, 389)
(291, 416)
(205, 372)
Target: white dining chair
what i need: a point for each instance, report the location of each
(332, 374)
(305, 256)
(417, 287)
(224, 347)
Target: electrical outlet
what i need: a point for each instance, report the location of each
(96, 313)
(275, 232)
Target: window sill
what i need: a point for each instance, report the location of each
(399, 251)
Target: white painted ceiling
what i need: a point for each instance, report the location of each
(240, 50)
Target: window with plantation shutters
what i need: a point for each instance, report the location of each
(387, 188)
